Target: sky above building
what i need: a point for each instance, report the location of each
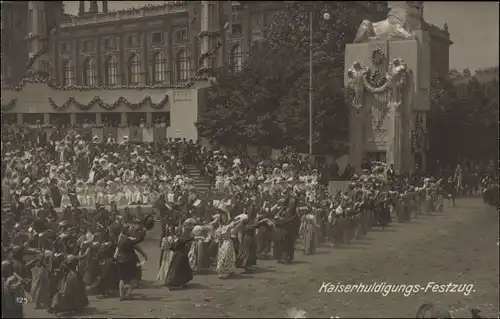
(473, 28)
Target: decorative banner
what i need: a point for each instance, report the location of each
(110, 132)
(159, 134)
(98, 131)
(148, 134)
(135, 134)
(122, 132)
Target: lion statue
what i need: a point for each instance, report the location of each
(395, 26)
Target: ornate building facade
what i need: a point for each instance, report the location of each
(152, 44)
(148, 55)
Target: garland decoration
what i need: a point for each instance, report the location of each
(378, 57)
(375, 78)
(97, 100)
(38, 78)
(8, 106)
(373, 83)
(206, 55)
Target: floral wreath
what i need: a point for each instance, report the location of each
(378, 56)
(376, 79)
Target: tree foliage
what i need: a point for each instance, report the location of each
(268, 103)
(463, 121)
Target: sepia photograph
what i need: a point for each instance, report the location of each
(250, 159)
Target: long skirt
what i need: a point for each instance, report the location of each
(179, 272)
(165, 265)
(199, 258)
(40, 286)
(247, 253)
(264, 239)
(310, 239)
(226, 258)
(72, 295)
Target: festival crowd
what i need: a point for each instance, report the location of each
(68, 229)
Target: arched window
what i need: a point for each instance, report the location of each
(159, 67)
(68, 73)
(134, 70)
(111, 71)
(89, 72)
(183, 65)
(236, 58)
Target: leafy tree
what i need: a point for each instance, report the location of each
(267, 102)
(463, 119)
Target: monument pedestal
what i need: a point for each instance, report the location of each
(382, 80)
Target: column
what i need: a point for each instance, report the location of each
(149, 118)
(144, 57)
(121, 62)
(170, 54)
(98, 118)
(19, 118)
(99, 61)
(72, 118)
(46, 118)
(123, 118)
(205, 26)
(76, 61)
(247, 33)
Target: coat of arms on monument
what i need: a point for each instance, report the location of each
(363, 80)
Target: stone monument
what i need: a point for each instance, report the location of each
(387, 79)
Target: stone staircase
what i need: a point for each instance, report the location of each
(6, 207)
(202, 183)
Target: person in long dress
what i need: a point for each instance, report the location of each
(72, 296)
(226, 256)
(309, 228)
(167, 253)
(247, 254)
(179, 273)
(198, 254)
(40, 285)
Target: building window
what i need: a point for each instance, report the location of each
(68, 73)
(89, 72)
(183, 65)
(182, 35)
(88, 46)
(133, 41)
(157, 37)
(236, 58)
(159, 67)
(134, 70)
(237, 29)
(111, 71)
(109, 43)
